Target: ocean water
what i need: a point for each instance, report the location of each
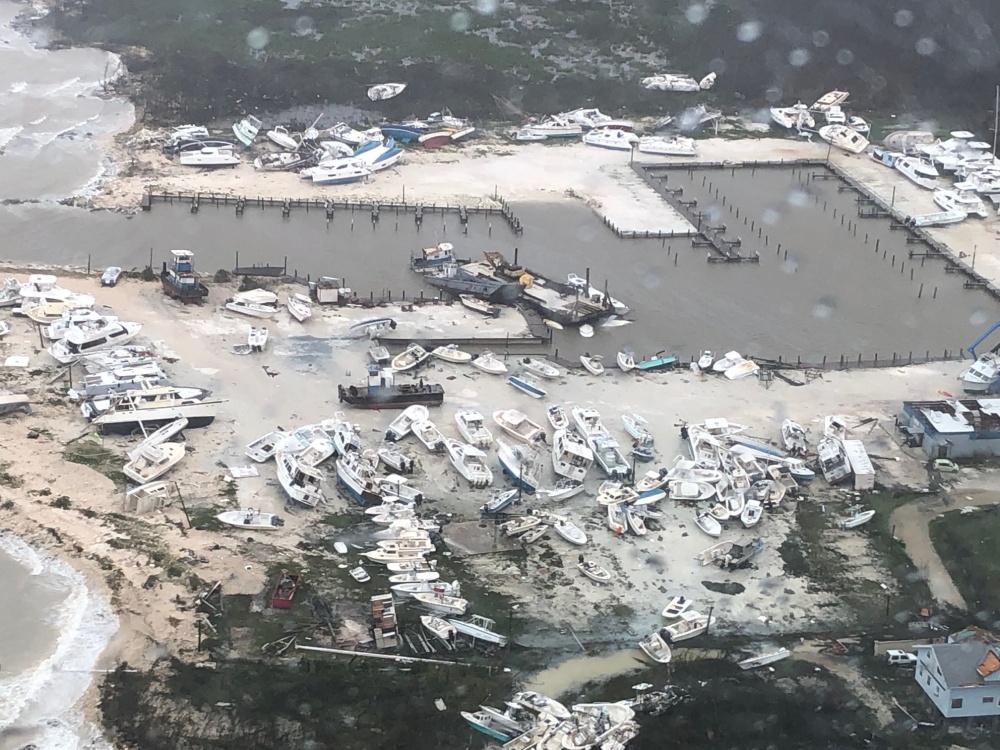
(54, 115)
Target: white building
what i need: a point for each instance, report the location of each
(961, 679)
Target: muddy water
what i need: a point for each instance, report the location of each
(572, 673)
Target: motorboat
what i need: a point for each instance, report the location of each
(918, 171)
(541, 368)
(654, 479)
(835, 426)
(79, 342)
(111, 275)
(521, 464)
(564, 489)
(516, 424)
(280, 136)
(379, 156)
(118, 380)
(480, 628)
(442, 629)
(937, 219)
(834, 115)
(435, 139)
(705, 360)
(411, 357)
(408, 131)
(426, 586)
(82, 318)
(742, 369)
(613, 492)
(338, 172)
(415, 576)
(153, 461)
(493, 727)
(396, 460)
(727, 362)
(534, 534)
(500, 500)
(593, 571)
(616, 140)
(636, 427)
(656, 647)
(472, 427)
(830, 100)
(571, 457)
(569, 530)
(557, 417)
(595, 295)
(705, 521)
(608, 456)
(982, 375)
(526, 385)
(671, 82)
(592, 363)
(209, 156)
(397, 557)
(356, 476)
(344, 133)
(860, 125)
(246, 130)
(833, 460)
(676, 606)
(470, 462)
(689, 625)
(359, 574)
(626, 361)
(961, 200)
(251, 520)
(593, 118)
(617, 520)
(488, 362)
(666, 146)
(257, 338)
(793, 435)
(479, 305)
(860, 518)
(635, 521)
(844, 137)
(308, 435)
(395, 487)
(753, 511)
(451, 353)
(257, 303)
(427, 433)
(552, 128)
(588, 421)
(379, 355)
(432, 258)
(303, 484)
(764, 659)
(382, 91)
(797, 117)
(298, 308)
(370, 327)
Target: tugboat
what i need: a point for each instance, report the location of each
(381, 392)
(180, 281)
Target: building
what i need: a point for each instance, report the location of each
(962, 679)
(953, 429)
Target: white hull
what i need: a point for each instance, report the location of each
(300, 483)
(469, 462)
(249, 519)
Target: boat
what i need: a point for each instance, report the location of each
(118, 380)
(590, 118)
(829, 100)
(797, 116)
(564, 489)
(534, 534)
(396, 460)
(411, 566)
(475, 281)
(479, 628)
(961, 200)
(608, 456)
(705, 521)
(588, 421)
(982, 375)
(300, 482)
(658, 360)
(843, 137)
(540, 704)
(379, 355)
(280, 136)
(794, 437)
(377, 155)
(435, 139)
(626, 361)
(395, 557)
(677, 82)
(616, 140)
(284, 590)
(521, 464)
(729, 361)
(937, 219)
(569, 531)
(338, 172)
(66, 319)
(470, 462)
(636, 524)
(593, 571)
(525, 385)
(764, 659)
(395, 487)
(833, 460)
(425, 586)
(401, 426)
(689, 625)
(592, 364)
(382, 392)
(370, 327)
(150, 496)
(442, 629)
(111, 275)
(666, 146)
(209, 156)
(479, 305)
(918, 171)
(587, 330)
(487, 362)
(636, 427)
(151, 462)
(492, 727)
(520, 525)
(499, 501)
(433, 258)
(257, 338)
(541, 368)
(617, 520)
(516, 424)
(414, 576)
(571, 457)
(381, 91)
(656, 647)
(615, 493)
(557, 417)
(298, 309)
(257, 303)
(246, 130)
(180, 281)
(427, 433)
(705, 360)
(359, 574)
(451, 353)
(78, 342)
(551, 128)
(835, 115)
(449, 605)
(860, 518)
(753, 511)
(472, 427)
(250, 519)
(150, 408)
(403, 132)
(676, 606)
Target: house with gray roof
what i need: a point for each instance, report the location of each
(961, 679)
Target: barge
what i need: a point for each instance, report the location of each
(382, 392)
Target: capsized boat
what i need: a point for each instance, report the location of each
(526, 385)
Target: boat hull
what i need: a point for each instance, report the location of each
(193, 294)
(391, 397)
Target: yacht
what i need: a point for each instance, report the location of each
(339, 172)
(257, 303)
(844, 138)
(961, 200)
(797, 116)
(833, 460)
(667, 146)
(594, 118)
(209, 156)
(918, 171)
(616, 140)
(982, 375)
(151, 407)
(554, 127)
(246, 129)
(571, 458)
(118, 380)
(78, 342)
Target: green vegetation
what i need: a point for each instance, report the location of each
(969, 546)
(7, 479)
(91, 452)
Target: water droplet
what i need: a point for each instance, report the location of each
(304, 25)
(823, 309)
(926, 46)
(845, 56)
(978, 318)
(258, 38)
(903, 18)
(798, 198)
(486, 7)
(696, 13)
(798, 57)
(820, 38)
(773, 96)
(460, 21)
(717, 65)
(748, 31)
(771, 216)
(789, 266)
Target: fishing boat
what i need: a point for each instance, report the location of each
(153, 461)
(860, 518)
(525, 385)
(615, 493)
(395, 557)
(592, 364)
(401, 426)
(442, 629)
(636, 427)
(284, 590)
(666, 146)
(246, 129)
(690, 625)
(557, 417)
(705, 521)
(432, 258)
(568, 530)
(516, 424)
(411, 566)
(381, 91)
(521, 464)
(427, 433)
(298, 308)
(451, 353)
(395, 460)
(488, 362)
(540, 704)
(479, 305)
(626, 361)
(541, 368)
(382, 392)
(470, 462)
(492, 727)
(588, 421)
(961, 200)
(78, 342)
(616, 140)
(449, 605)
(533, 535)
(500, 500)
(608, 456)
(411, 357)
(764, 659)
(918, 171)
(303, 484)
(658, 360)
(676, 606)
(833, 460)
(565, 489)
(593, 571)
(793, 435)
(656, 647)
(617, 521)
(571, 457)
(180, 281)
(635, 522)
(654, 479)
(843, 137)
(472, 427)
(250, 519)
(257, 338)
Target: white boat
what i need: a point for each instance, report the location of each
(153, 461)
(708, 523)
(257, 303)
(300, 482)
(671, 82)
(938, 219)
(298, 309)
(592, 364)
(480, 628)
(470, 462)
(533, 535)
(437, 627)
(608, 456)
(918, 171)
(571, 457)
(708, 81)
(499, 500)
(705, 360)
(676, 606)
(797, 116)
(472, 427)
(654, 479)
(415, 576)
(411, 357)
(690, 625)
(616, 140)
(526, 385)
(402, 425)
(370, 327)
(395, 459)
(655, 647)
(833, 460)
(557, 417)
(111, 275)
(360, 575)
(734, 503)
(982, 374)
(488, 362)
(451, 353)
(615, 493)
(587, 330)
(590, 118)
(636, 427)
(588, 421)
(753, 511)
(553, 127)
(593, 571)
(119, 380)
(478, 305)
(150, 407)
(743, 369)
(406, 544)
(449, 605)
(379, 355)
(541, 368)
(250, 519)
(829, 100)
(396, 557)
(569, 531)
(411, 566)
(626, 361)
(521, 464)
(382, 91)
(860, 518)
(78, 342)
(730, 360)
(280, 136)
(860, 124)
(516, 424)
(564, 489)
(764, 659)
(961, 200)
(426, 587)
(617, 521)
(209, 156)
(257, 338)
(595, 295)
(82, 318)
(150, 496)
(834, 115)
(844, 137)
(246, 129)
(793, 436)
(427, 433)
(667, 146)
(635, 521)
(338, 172)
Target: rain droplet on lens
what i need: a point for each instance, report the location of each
(926, 46)
(460, 21)
(696, 13)
(773, 95)
(820, 38)
(903, 18)
(748, 31)
(789, 266)
(258, 38)
(771, 216)
(845, 56)
(304, 25)
(486, 7)
(824, 308)
(978, 318)
(798, 57)
(798, 198)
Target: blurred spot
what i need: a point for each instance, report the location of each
(926, 46)
(910, 320)
(773, 95)
(820, 38)
(789, 266)
(798, 198)
(823, 310)
(978, 318)
(586, 233)
(903, 18)
(460, 21)
(653, 278)
(717, 65)
(845, 56)
(486, 7)
(303, 25)
(762, 115)
(696, 13)
(713, 213)
(748, 31)
(771, 216)
(798, 57)
(258, 38)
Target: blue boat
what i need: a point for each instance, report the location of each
(403, 132)
(758, 446)
(490, 726)
(885, 156)
(650, 496)
(660, 359)
(499, 501)
(526, 386)
(520, 463)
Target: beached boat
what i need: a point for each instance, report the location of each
(667, 146)
(401, 426)
(472, 427)
(382, 392)
(526, 385)
(617, 520)
(626, 361)
(180, 281)
(551, 128)
(540, 704)
(918, 171)
(427, 433)
(615, 493)
(676, 606)
(587, 421)
(370, 328)
(250, 519)
(488, 362)
(284, 590)
(690, 625)
(753, 511)
(743, 369)
(492, 727)
(338, 172)
(413, 356)
(608, 456)
(425, 587)
(635, 521)
(298, 308)
(592, 364)
(635, 426)
(479, 628)
(246, 130)
(411, 566)
(414, 576)
(533, 535)
(860, 518)
(656, 647)
(257, 303)
(593, 571)
(797, 116)
(360, 575)
(301, 483)
(541, 368)
(705, 521)
(520, 525)
(516, 424)
(111, 275)
(764, 659)
(257, 338)
(396, 460)
(833, 460)
(727, 362)
(938, 219)
(381, 91)
(676, 82)
(451, 353)
(151, 462)
(521, 464)
(437, 627)
(657, 361)
(565, 489)
(961, 200)
(571, 457)
(615, 140)
(379, 355)
(432, 258)
(843, 137)
(150, 408)
(982, 375)
(794, 437)
(479, 305)
(568, 530)
(78, 342)
(557, 417)
(500, 500)
(449, 605)
(470, 462)
(395, 557)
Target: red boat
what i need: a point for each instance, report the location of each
(436, 140)
(284, 591)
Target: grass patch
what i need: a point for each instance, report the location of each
(339, 520)
(7, 479)
(914, 592)
(90, 452)
(203, 518)
(969, 546)
(136, 534)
